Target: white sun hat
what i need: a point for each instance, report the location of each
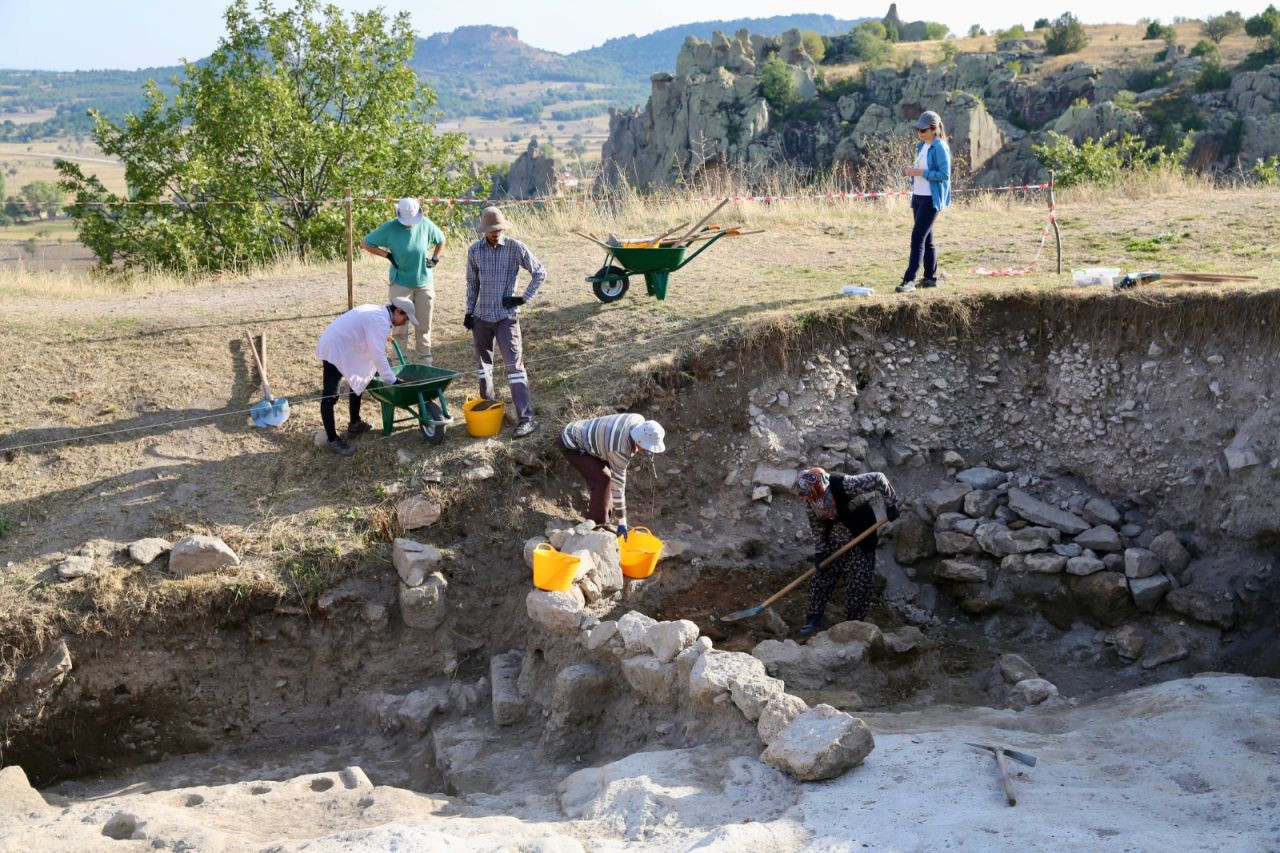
(409, 212)
(649, 435)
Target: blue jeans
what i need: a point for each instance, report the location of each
(922, 239)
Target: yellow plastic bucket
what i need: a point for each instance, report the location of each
(640, 552)
(486, 423)
(552, 570)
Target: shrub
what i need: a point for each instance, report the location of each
(1041, 24)
(1017, 31)
(976, 30)
(949, 51)
(934, 31)
(777, 85)
(1103, 161)
(1204, 48)
(1212, 77)
(1066, 35)
(1267, 172)
(1157, 31)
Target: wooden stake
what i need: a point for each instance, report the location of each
(351, 294)
(1053, 217)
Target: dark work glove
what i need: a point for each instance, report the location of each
(468, 322)
(624, 531)
(512, 301)
(430, 262)
(892, 513)
(392, 258)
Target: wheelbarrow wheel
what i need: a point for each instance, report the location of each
(610, 284)
(431, 431)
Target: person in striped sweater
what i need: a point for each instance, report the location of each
(600, 449)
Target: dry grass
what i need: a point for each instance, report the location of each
(141, 355)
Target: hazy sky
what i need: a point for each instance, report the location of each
(76, 34)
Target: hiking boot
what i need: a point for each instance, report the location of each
(525, 428)
(340, 447)
(905, 287)
(929, 282)
(811, 626)
(358, 427)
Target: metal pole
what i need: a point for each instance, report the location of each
(1053, 219)
(351, 297)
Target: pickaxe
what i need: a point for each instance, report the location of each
(1000, 752)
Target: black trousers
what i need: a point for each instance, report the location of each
(922, 239)
(332, 376)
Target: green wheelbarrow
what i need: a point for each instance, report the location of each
(655, 263)
(419, 390)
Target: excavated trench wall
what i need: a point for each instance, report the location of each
(1163, 408)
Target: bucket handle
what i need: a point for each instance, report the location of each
(642, 530)
(544, 546)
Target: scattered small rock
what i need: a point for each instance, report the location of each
(195, 555)
(145, 551)
(1015, 668)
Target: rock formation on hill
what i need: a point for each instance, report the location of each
(532, 175)
(710, 113)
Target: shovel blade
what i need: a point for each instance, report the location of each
(739, 615)
(269, 413)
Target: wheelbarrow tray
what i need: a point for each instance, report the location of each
(420, 392)
(650, 259)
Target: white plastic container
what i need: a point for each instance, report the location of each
(1095, 276)
(855, 290)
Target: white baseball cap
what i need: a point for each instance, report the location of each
(405, 304)
(409, 212)
(649, 435)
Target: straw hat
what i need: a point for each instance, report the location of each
(491, 219)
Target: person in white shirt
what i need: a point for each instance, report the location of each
(354, 347)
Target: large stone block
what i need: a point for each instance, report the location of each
(417, 511)
(948, 498)
(509, 706)
(913, 540)
(668, 639)
(752, 694)
(605, 558)
(194, 555)
(982, 478)
(580, 690)
(1105, 595)
(556, 612)
(424, 606)
(1047, 515)
(819, 744)
(715, 672)
(634, 627)
(960, 570)
(1101, 538)
(1140, 563)
(1169, 552)
(778, 714)
(414, 560)
(651, 678)
(1149, 591)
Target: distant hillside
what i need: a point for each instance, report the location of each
(464, 66)
(640, 56)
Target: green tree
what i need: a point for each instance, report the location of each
(1263, 25)
(934, 31)
(1066, 35)
(1204, 48)
(1218, 27)
(869, 42)
(1017, 31)
(814, 45)
(1041, 24)
(976, 30)
(289, 110)
(777, 84)
(949, 51)
(1157, 31)
(43, 197)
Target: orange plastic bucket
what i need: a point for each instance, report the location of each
(640, 552)
(552, 570)
(486, 423)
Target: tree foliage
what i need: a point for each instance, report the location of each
(778, 85)
(292, 108)
(1066, 35)
(1217, 27)
(814, 45)
(1103, 161)
(1157, 31)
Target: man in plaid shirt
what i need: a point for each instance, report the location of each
(493, 309)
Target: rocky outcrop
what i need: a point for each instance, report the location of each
(709, 114)
(532, 175)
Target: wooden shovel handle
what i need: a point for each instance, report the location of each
(843, 548)
(262, 371)
(1004, 777)
(704, 220)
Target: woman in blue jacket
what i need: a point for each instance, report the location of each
(931, 174)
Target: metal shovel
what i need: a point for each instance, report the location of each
(270, 411)
(759, 608)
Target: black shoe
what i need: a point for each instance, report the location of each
(357, 427)
(525, 428)
(929, 282)
(811, 627)
(905, 287)
(340, 447)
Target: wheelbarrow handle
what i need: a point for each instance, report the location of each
(706, 245)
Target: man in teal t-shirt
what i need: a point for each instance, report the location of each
(412, 243)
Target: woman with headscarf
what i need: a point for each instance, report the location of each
(839, 508)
